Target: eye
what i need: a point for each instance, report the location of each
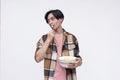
(52, 18)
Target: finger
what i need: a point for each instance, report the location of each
(77, 59)
(71, 66)
(53, 31)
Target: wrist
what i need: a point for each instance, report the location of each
(47, 41)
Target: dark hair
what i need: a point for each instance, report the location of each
(57, 14)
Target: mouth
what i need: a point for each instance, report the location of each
(52, 26)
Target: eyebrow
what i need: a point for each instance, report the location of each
(51, 18)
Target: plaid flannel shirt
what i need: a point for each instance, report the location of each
(69, 48)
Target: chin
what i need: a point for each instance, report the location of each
(54, 29)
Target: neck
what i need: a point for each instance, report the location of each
(59, 30)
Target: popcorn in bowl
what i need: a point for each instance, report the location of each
(65, 60)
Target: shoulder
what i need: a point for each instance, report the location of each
(43, 38)
(71, 35)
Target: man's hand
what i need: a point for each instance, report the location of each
(76, 64)
(51, 35)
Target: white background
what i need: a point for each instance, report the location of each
(96, 24)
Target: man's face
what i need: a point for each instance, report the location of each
(53, 22)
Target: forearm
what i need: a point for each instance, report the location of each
(39, 55)
(42, 51)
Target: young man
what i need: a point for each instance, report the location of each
(54, 44)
